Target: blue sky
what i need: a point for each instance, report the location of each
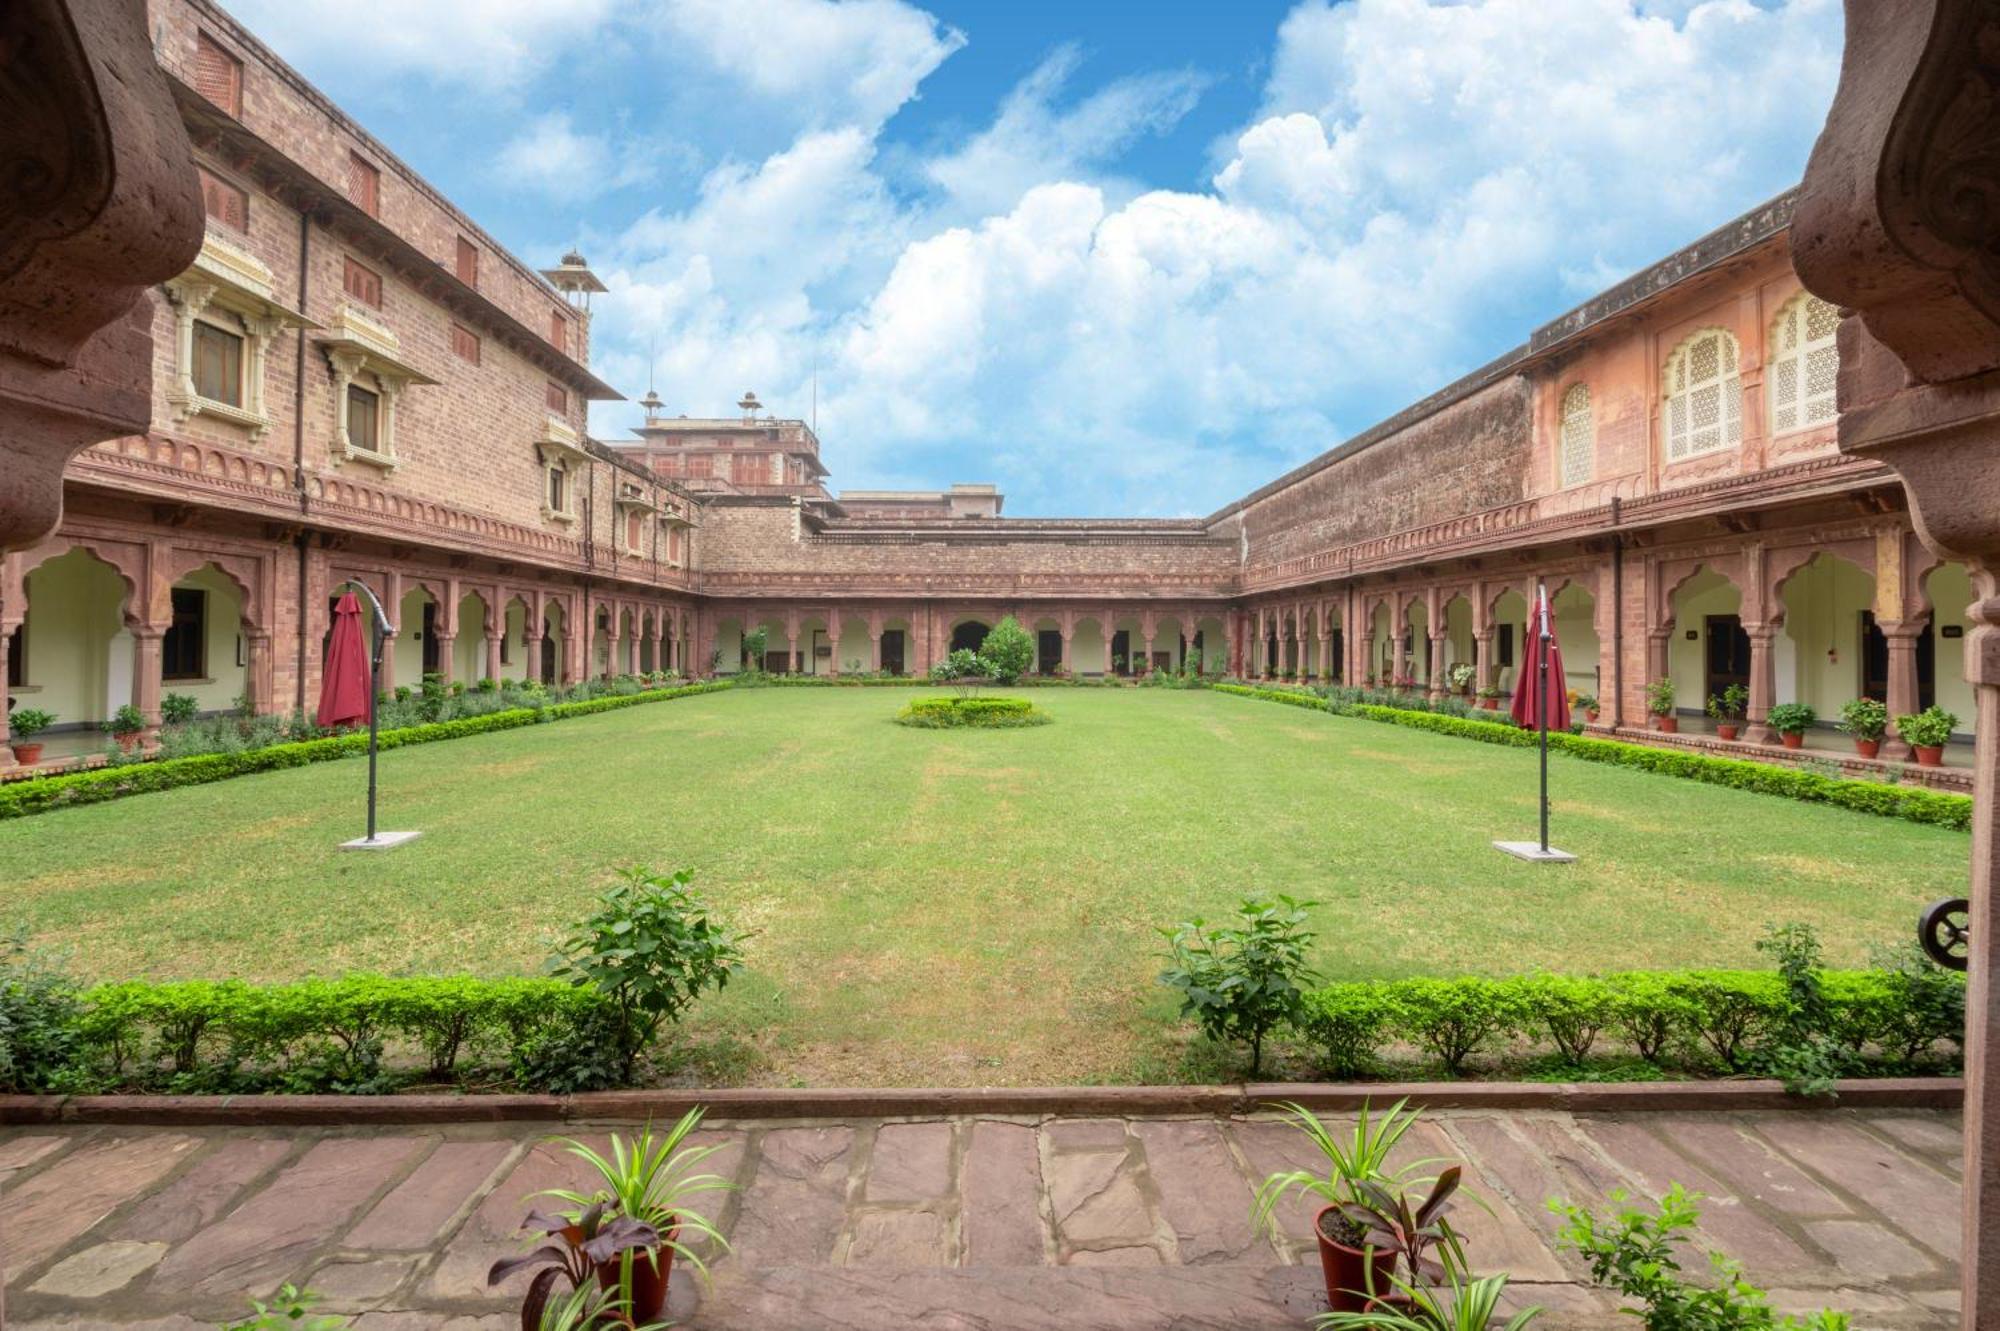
(1119, 258)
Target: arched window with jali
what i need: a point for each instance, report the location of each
(1577, 436)
(1704, 409)
(1803, 364)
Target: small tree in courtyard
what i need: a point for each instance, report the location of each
(1009, 651)
(753, 647)
(965, 670)
(1242, 981)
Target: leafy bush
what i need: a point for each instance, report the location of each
(39, 1009)
(1345, 1023)
(1864, 718)
(29, 722)
(983, 713)
(1886, 1020)
(20, 798)
(650, 950)
(1660, 697)
(1638, 1254)
(127, 720)
(1930, 728)
(1791, 718)
(1009, 650)
(1728, 706)
(178, 708)
(1242, 981)
(1453, 1019)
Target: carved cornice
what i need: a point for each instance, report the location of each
(1899, 217)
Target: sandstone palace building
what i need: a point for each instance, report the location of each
(354, 382)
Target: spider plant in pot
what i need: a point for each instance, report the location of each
(1355, 1161)
(1460, 1303)
(650, 1179)
(578, 1244)
(588, 1308)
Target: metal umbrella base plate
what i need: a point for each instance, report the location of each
(1532, 850)
(380, 841)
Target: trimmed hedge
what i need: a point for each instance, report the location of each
(41, 794)
(1915, 804)
(1705, 1020)
(361, 1034)
(953, 713)
(895, 682)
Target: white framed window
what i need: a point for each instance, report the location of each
(1704, 407)
(1803, 364)
(224, 320)
(561, 454)
(369, 375)
(1577, 437)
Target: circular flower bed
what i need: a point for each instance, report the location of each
(981, 713)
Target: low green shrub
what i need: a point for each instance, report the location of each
(1934, 808)
(1243, 979)
(1453, 1019)
(360, 1034)
(981, 713)
(1892, 1018)
(20, 798)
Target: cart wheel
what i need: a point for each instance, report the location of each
(1945, 930)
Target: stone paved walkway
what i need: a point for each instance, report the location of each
(959, 1223)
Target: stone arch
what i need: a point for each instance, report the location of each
(242, 572)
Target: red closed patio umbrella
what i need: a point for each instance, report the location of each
(344, 692)
(1531, 710)
(1541, 700)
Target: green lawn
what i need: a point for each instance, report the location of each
(946, 907)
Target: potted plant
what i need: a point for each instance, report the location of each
(578, 1244)
(1790, 720)
(1489, 698)
(125, 726)
(1660, 702)
(1354, 1162)
(177, 709)
(650, 1181)
(1587, 703)
(1727, 708)
(26, 724)
(1417, 1238)
(1461, 678)
(1866, 720)
(1928, 732)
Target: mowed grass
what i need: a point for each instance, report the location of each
(940, 907)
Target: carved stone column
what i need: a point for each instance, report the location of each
(493, 666)
(256, 670)
(531, 646)
(1897, 224)
(1482, 659)
(1437, 680)
(447, 644)
(146, 659)
(388, 684)
(1763, 684)
(1903, 689)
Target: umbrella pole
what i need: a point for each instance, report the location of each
(374, 695)
(1543, 711)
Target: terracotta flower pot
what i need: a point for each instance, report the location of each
(1490, 704)
(1346, 1270)
(1725, 730)
(649, 1281)
(1929, 755)
(1867, 748)
(1590, 715)
(1794, 739)
(28, 752)
(1668, 725)
(127, 742)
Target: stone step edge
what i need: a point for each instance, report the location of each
(733, 1104)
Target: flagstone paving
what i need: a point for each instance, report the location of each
(966, 1222)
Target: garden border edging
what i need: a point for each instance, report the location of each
(732, 1104)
